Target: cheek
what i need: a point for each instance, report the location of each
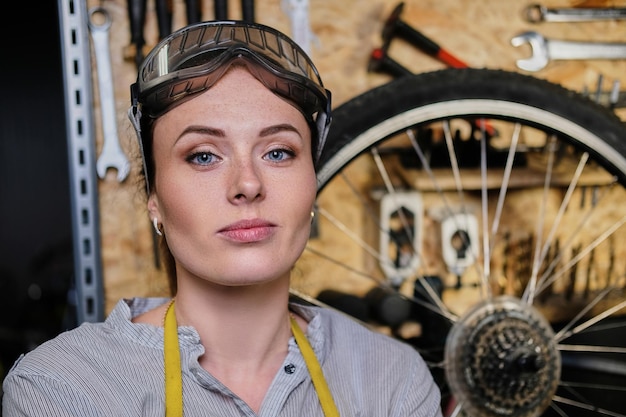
(173, 204)
(179, 197)
(304, 193)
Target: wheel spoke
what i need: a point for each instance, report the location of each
(557, 221)
(558, 410)
(362, 202)
(509, 274)
(392, 192)
(447, 205)
(580, 255)
(486, 276)
(591, 348)
(588, 407)
(543, 282)
(453, 160)
(352, 235)
(505, 181)
(564, 332)
(429, 171)
(456, 411)
(530, 289)
(585, 325)
(456, 172)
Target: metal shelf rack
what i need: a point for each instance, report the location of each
(81, 151)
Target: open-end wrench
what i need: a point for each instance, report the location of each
(298, 13)
(544, 50)
(112, 155)
(536, 13)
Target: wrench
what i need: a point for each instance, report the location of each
(112, 155)
(536, 13)
(298, 13)
(544, 50)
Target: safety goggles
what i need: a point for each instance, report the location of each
(194, 58)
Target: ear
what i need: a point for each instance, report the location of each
(153, 207)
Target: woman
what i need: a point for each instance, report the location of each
(231, 118)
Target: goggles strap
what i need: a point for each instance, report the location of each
(134, 114)
(322, 121)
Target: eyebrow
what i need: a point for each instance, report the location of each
(207, 130)
(270, 130)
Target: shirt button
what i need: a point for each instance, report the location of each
(290, 368)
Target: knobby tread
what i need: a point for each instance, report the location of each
(405, 93)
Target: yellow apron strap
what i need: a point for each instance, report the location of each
(315, 370)
(173, 372)
(174, 379)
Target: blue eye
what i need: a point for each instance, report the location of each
(201, 158)
(279, 154)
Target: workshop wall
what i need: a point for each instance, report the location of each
(478, 32)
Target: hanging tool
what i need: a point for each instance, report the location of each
(220, 8)
(137, 21)
(298, 13)
(247, 10)
(545, 50)
(380, 61)
(193, 10)
(536, 13)
(112, 155)
(612, 98)
(459, 242)
(394, 26)
(164, 11)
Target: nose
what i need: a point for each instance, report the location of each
(247, 184)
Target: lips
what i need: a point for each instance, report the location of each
(248, 231)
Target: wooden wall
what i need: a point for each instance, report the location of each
(478, 32)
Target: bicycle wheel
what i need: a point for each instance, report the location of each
(478, 215)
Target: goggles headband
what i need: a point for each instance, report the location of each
(195, 57)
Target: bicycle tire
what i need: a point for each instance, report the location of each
(407, 93)
(364, 124)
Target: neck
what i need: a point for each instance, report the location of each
(245, 333)
(237, 324)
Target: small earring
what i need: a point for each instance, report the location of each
(155, 223)
(312, 214)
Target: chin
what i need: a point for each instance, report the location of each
(252, 274)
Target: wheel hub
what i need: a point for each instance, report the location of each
(501, 360)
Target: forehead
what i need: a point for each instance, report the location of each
(237, 100)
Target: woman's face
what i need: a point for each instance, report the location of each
(235, 183)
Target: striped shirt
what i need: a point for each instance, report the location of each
(115, 368)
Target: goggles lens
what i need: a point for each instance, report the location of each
(194, 58)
